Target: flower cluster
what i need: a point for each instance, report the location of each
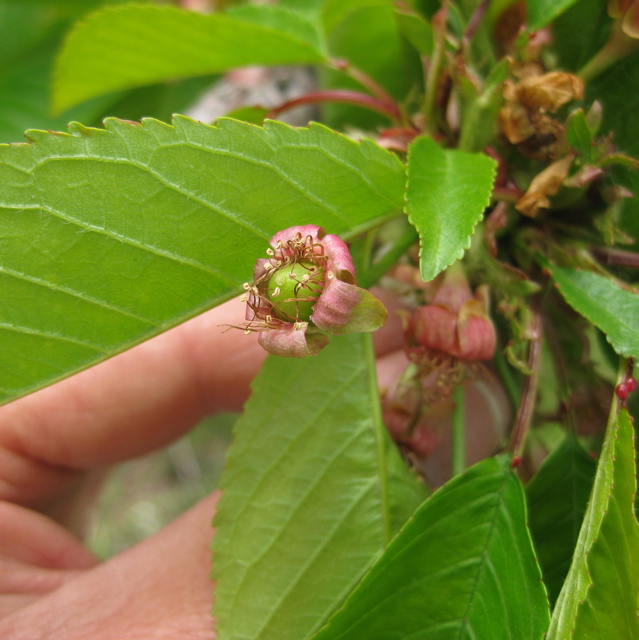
(304, 288)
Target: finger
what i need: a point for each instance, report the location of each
(139, 400)
(158, 589)
(37, 556)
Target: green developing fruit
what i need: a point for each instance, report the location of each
(293, 290)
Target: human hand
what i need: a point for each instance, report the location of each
(52, 443)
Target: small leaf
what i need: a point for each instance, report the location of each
(604, 303)
(543, 12)
(599, 597)
(557, 497)
(416, 29)
(579, 136)
(313, 490)
(447, 193)
(109, 237)
(462, 568)
(135, 45)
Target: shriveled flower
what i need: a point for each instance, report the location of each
(545, 184)
(304, 288)
(449, 336)
(525, 119)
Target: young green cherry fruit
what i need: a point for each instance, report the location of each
(305, 289)
(294, 289)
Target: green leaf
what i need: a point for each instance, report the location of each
(365, 33)
(579, 33)
(557, 497)
(599, 597)
(111, 236)
(604, 303)
(447, 193)
(462, 568)
(130, 46)
(543, 12)
(416, 29)
(313, 491)
(579, 136)
(619, 116)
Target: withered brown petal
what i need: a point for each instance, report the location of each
(550, 90)
(545, 184)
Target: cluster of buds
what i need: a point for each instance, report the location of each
(304, 289)
(454, 329)
(444, 342)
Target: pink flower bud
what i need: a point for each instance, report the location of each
(307, 287)
(456, 323)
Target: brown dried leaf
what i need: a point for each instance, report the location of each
(544, 185)
(550, 90)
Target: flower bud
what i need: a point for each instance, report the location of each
(456, 323)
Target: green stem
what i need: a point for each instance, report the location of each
(377, 270)
(618, 46)
(458, 434)
(434, 68)
(381, 435)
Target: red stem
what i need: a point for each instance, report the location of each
(475, 20)
(617, 257)
(529, 389)
(388, 109)
(365, 80)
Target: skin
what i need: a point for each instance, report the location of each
(54, 447)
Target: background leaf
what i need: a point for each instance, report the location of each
(601, 301)
(446, 195)
(111, 236)
(579, 136)
(313, 490)
(462, 567)
(543, 12)
(599, 597)
(365, 33)
(130, 46)
(618, 91)
(557, 497)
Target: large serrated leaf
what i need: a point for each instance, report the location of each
(462, 568)
(599, 597)
(130, 46)
(313, 490)
(557, 497)
(447, 193)
(110, 236)
(604, 303)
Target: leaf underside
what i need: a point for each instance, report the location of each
(312, 491)
(462, 568)
(447, 192)
(108, 237)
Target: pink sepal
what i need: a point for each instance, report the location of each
(292, 343)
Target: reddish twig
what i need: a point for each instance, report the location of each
(390, 110)
(529, 389)
(616, 257)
